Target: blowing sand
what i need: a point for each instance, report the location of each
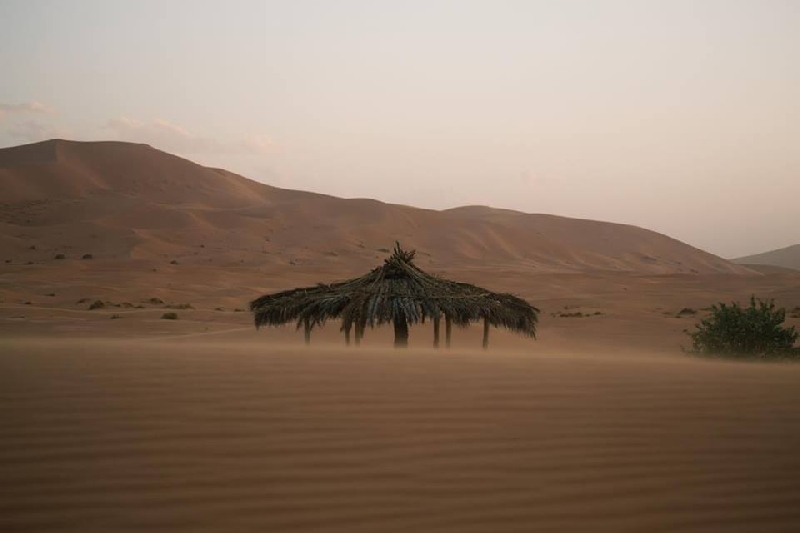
(205, 433)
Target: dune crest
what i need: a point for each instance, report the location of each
(140, 202)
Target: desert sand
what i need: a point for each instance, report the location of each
(228, 432)
(116, 420)
(204, 424)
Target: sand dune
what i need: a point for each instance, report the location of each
(788, 257)
(127, 201)
(189, 435)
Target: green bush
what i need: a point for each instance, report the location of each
(745, 332)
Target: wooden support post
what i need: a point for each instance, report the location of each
(436, 332)
(448, 328)
(400, 332)
(359, 333)
(307, 330)
(347, 327)
(485, 333)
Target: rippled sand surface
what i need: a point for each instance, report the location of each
(204, 436)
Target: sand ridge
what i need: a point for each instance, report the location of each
(126, 201)
(195, 435)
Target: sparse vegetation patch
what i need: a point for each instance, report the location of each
(179, 306)
(170, 316)
(97, 304)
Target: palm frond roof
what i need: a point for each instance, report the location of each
(396, 290)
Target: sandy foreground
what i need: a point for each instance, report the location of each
(203, 424)
(227, 432)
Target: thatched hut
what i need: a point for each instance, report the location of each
(397, 292)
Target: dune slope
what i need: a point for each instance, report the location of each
(129, 201)
(788, 257)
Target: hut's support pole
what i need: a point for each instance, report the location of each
(485, 333)
(436, 332)
(359, 333)
(448, 329)
(307, 330)
(347, 327)
(400, 332)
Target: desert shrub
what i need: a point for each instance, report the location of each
(156, 301)
(238, 310)
(51, 294)
(83, 300)
(173, 262)
(686, 311)
(60, 256)
(179, 306)
(87, 256)
(170, 316)
(745, 332)
(576, 314)
(218, 309)
(97, 304)
(115, 316)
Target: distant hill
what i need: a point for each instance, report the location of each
(788, 257)
(131, 201)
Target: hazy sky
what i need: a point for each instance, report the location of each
(678, 116)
